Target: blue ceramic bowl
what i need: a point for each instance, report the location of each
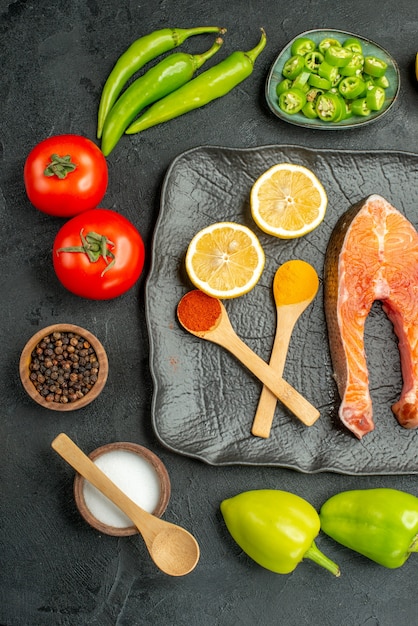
(369, 48)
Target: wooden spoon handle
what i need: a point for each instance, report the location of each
(291, 398)
(174, 550)
(264, 415)
(79, 461)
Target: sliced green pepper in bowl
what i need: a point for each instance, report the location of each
(302, 45)
(292, 100)
(293, 66)
(335, 57)
(375, 67)
(352, 87)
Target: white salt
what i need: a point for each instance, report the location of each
(134, 475)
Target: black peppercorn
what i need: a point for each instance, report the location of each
(60, 367)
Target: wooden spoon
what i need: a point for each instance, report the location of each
(172, 548)
(222, 333)
(295, 285)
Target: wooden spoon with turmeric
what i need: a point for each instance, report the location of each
(295, 285)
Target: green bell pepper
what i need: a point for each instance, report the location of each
(381, 524)
(276, 529)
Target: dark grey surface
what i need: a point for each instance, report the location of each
(55, 570)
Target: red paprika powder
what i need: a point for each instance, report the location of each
(198, 311)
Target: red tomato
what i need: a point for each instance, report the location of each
(80, 179)
(97, 231)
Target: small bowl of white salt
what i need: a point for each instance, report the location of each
(138, 472)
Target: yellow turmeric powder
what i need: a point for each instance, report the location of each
(295, 281)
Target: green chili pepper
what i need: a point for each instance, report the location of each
(382, 81)
(313, 60)
(327, 42)
(292, 101)
(330, 72)
(210, 85)
(301, 81)
(354, 66)
(381, 524)
(345, 110)
(351, 87)
(374, 66)
(302, 45)
(337, 55)
(276, 529)
(293, 66)
(313, 93)
(284, 85)
(337, 69)
(319, 82)
(330, 107)
(375, 98)
(309, 110)
(359, 107)
(353, 44)
(137, 55)
(368, 84)
(172, 72)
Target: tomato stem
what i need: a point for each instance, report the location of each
(59, 166)
(96, 247)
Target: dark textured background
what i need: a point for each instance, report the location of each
(55, 570)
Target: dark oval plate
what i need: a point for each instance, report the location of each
(369, 48)
(204, 400)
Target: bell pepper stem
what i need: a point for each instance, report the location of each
(414, 545)
(319, 558)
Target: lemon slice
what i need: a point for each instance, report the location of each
(288, 201)
(225, 260)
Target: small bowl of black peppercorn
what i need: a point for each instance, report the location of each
(63, 367)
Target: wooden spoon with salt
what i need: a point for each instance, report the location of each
(295, 285)
(220, 331)
(172, 548)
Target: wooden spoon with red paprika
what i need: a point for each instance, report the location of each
(206, 317)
